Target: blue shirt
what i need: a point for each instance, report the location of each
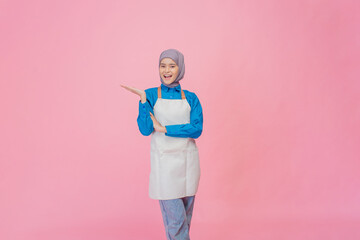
(189, 130)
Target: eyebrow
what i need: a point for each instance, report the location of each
(169, 64)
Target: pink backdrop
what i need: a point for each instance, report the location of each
(279, 85)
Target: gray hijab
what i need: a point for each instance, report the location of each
(178, 58)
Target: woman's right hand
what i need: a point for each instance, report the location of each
(139, 92)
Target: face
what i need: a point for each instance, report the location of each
(168, 70)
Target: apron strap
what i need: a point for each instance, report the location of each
(159, 92)
(182, 93)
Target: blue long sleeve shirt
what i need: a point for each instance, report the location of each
(189, 130)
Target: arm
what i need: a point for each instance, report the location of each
(192, 129)
(144, 121)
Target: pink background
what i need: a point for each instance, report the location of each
(279, 85)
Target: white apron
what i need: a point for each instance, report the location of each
(175, 168)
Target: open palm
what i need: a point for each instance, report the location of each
(134, 90)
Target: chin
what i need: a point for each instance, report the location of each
(168, 82)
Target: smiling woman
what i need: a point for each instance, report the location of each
(169, 70)
(173, 117)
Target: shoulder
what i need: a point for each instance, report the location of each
(151, 95)
(151, 90)
(191, 97)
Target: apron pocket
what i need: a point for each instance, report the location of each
(172, 170)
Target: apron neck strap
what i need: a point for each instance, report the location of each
(182, 93)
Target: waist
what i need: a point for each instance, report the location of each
(159, 141)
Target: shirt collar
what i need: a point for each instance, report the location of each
(177, 88)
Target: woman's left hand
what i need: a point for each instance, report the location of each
(157, 125)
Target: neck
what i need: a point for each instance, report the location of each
(171, 85)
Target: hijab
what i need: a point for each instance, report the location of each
(178, 58)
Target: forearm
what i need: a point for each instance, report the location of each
(144, 121)
(184, 130)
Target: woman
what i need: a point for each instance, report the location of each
(174, 119)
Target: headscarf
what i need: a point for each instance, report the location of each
(178, 58)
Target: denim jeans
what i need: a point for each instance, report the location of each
(177, 215)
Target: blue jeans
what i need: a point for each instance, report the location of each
(177, 215)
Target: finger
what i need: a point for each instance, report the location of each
(133, 90)
(127, 87)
